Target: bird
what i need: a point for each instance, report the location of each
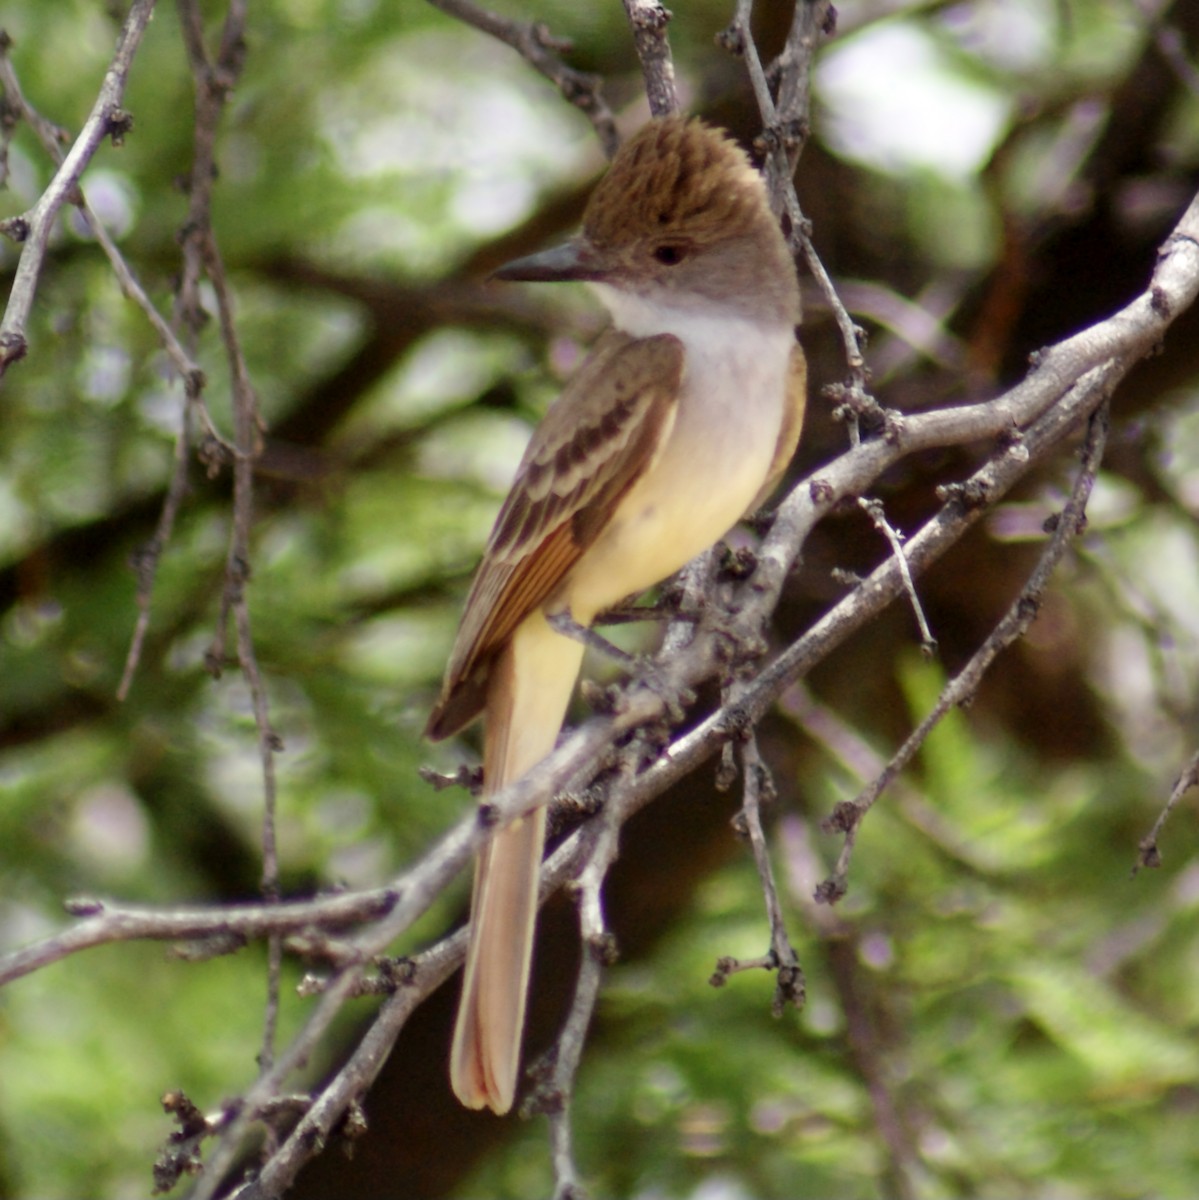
(679, 422)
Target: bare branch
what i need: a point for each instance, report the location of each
(39, 221)
(534, 42)
(847, 817)
(790, 988)
(648, 20)
(146, 559)
(102, 924)
(1059, 394)
(554, 1074)
(1064, 389)
(878, 518)
(1149, 855)
(846, 746)
(785, 122)
(214, 78)
(52, 138)
(1068, 382)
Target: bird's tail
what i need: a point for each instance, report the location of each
(528, 693)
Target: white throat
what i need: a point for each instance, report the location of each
(642, 316)
(749, 358)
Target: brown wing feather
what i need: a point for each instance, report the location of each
(595, 440)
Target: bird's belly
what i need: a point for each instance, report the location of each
(696, 491)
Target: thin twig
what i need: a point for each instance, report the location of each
(1068, 382)
(869, 1041)
(554, 1095)
(648, 20)
(878, 518)
(790, 988)
(147, 557)
(52, 138)
(534, 42)
(785, 121)
(1149, 855)
(851, 751)
(105, 118)
(847, 817)
(214, 79)
(100, 923)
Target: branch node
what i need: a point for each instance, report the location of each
(180, 1155)
(213, 454)
(821, 491)
(740, 825)
(649, 15)
(16, 228)
(194, 383)
(853, 405)
(1149, 855)
(843, 819)
(602, 699)
(118, 125)
(215, 945)
(540, 34)
(738, 564)
(13, 348)
(396, 971)
(732, 39)
(726, 772)
(467, 777)
(791, 988)
(831, 890)
(351, 1127)
(971, 495)
(725, 966)
(604, 948)
(893, 426)
(736, 722)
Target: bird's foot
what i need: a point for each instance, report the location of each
(643, 671)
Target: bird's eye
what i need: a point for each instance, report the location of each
(670, 254)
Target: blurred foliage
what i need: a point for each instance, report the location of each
(996, 1009)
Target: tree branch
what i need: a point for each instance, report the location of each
(648, 20)
(105, 119)
(1069, 524)
(791, 988)
(1066, 385)
(534, 42)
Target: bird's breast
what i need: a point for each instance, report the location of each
(707, 472)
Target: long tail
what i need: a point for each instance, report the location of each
(528, 693)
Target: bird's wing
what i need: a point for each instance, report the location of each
(596, 439)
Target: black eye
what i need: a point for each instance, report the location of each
(669, 254)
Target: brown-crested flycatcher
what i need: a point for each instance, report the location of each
(680, 421)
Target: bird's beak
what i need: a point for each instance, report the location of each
(575, 260)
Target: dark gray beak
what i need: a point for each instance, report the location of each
(574, 260)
